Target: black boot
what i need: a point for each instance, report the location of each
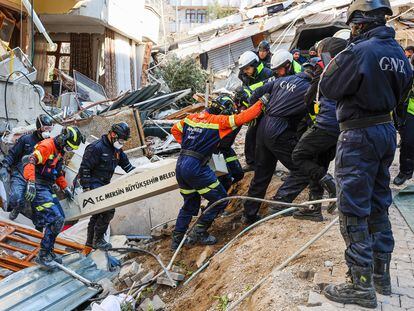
(45, 260)
(328, 184)
(55, 257)
(382, 279)
(312, 212)
(201, 236)
(359, 291)
(401, 178)
(13, 214)
(100, 243)
(89, 237)
(176, 239)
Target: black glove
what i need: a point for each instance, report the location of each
(68, 194)
(265, 99)
(30, 191)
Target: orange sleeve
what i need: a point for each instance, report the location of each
(249, 114)
(61, 182)
(177, 131)
(40, 155)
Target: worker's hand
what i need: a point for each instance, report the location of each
(30, 191)
(265, 99)
(68, 193)
(85, 189)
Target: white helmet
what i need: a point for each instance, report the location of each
(343, 34)
(280, 58)
(248, 58)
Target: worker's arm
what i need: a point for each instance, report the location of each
(259, 92)
(90, 160)
(40, 155)
(341, 78)
(177, 131)
(15, 153)
(310, 95)
(124, 162)
(61, 180)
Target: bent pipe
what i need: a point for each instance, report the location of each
(242, 198)
(245, 230)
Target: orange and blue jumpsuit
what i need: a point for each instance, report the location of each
(199, 135)
(45, 169)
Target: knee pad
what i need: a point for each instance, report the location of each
(353, 229)
(57, 226)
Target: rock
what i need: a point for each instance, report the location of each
(157, 303)
(204, 255)
(147, 277)
(152, 304)
(163, 280)
(129, 270)
(178, 269)
(314, 299)
(128, 282)
(306, 274)
(177, 276)
(329, 264)
(230, 296)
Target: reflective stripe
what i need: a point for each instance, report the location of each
(410, 108)
(75, 138)
(187, 191)
(232, 122)
(54, 196)
(74, 147)
(38, 156)
(202, 125)
(260, 68)
(180, 127)
(207, 189)
(256, 85)
(316, 108)
(44, 205)
(51, 156)
(231, 159)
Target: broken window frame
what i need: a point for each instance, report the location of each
(58, 55)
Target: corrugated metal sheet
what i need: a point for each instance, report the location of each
(226, 56)
(35, 289)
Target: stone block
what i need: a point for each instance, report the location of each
(407, 302)
(147, 277)
(406, 281)
(163, 280)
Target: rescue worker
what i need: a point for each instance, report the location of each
(43, 170)
(225, 147)
(96, 170)
(276, 135)
(253, 74)
(199, 134)
(13, 165)
(316, 148)
(405, 122)
(298, 60)
(312, 52)
(264, 54)
(368, 80)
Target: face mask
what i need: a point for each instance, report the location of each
(46, 134)
(118, 145)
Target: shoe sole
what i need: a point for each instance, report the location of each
(386, 291)
(360, 302)
(311, 218)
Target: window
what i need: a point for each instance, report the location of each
(58, 57)
(196, 16)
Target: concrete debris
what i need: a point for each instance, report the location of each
(178, 269)
(131, 273)
(162, 280)
(306, 274)
(148, 277)
(328, 264)
(152, 304)
(107, 287)
(207, 252)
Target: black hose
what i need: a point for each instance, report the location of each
(37, 92)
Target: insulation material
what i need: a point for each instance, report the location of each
(123, 63)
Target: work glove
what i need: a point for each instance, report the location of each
(30, 191)
(68, 193)
(4, 172)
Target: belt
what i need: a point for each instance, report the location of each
(203, 159)
(365, 122)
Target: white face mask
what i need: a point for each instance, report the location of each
(46, 134)
(118, 145)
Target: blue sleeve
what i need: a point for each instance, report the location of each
(89, 162)
(124, 162)
(259, 92)
(15, 153)
(341, 78)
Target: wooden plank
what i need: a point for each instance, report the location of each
(9, 267)
(14, 248)
(16, 262)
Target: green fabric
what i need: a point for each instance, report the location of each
(404, 201)
(296, 67)
(410, 108)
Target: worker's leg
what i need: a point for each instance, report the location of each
(406, 151)
(250, 145)
(234, 167)
(297, 181)
(380, 226)
(362, 157)
(101, 226)
(49, 216)
(17, 190)
(91, 230)
(263, 173)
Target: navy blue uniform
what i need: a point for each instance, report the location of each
(367, 80)
(232, 162)
(24, 146)
(276, 138)
(96, 170)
